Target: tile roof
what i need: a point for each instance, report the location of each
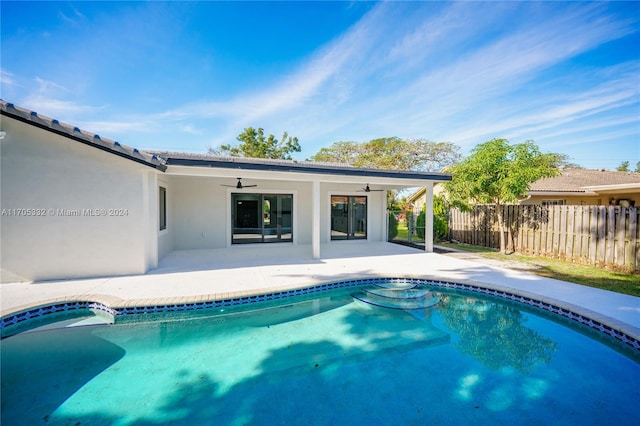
(577, 180)
(88, 138)
(162, 159)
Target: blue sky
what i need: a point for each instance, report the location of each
(183, 76)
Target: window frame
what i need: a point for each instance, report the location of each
(162, 208)
(349, 218)
(556, 202)
(264, 237)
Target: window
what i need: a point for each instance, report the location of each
(348, 217)
(162, 197)
(554, 202)
(261, 218)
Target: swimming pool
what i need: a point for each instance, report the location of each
(332, 357)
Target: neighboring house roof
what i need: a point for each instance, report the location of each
(161, 160)
(587, 182)
(82, 136)
(418, 195)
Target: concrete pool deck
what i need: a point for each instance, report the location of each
(198, 275)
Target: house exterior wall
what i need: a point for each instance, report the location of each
(70, 210)
(199, 210)
(582, 200)
(418, 197)
(166, 236)
(197, 213)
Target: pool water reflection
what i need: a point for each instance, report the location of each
(328, 360)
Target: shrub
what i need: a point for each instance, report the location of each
(440, 221)
(393, 226)
(420, 222)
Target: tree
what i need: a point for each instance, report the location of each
(623, 167)
(637, 170)
(486, 331)
(392, 153)
(254, 144)
(498, 173)
(440, 220)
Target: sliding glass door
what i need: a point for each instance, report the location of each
(348, 217)
(261, 218)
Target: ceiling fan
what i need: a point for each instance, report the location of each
(367, 189)
(239, 185)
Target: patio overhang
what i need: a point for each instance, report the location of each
(315, 174)
(301, 171)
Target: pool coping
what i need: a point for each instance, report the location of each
(115, 306)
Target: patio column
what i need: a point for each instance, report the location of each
(150, 214)
(385, 219)
(428, 218)
(315, 219)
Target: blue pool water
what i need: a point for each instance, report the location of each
(457, 359)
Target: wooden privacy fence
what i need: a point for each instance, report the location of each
(605, 236)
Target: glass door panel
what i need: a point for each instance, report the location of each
(358, 213)
(277, 213)
(339, 217)
(261, 218)
(285, 218)
(247, 224)
(348, 217)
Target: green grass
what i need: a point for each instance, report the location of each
(561, 270)
(403, 233)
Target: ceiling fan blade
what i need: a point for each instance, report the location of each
(368, 189)
(239, 185)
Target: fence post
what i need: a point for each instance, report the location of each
(611, 229)
(586, 212)
(602, 236)
(632, 251)
(577, 248)
(562, 234)
(621, 221)
(571, 232)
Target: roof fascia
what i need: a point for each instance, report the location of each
(83, 141)
(622, 187)
(563, 193)
(302, 169)
(390, 183)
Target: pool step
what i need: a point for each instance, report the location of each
(400, 298)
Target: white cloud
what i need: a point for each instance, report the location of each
(457, 71)
(381, 79)
(7, 78)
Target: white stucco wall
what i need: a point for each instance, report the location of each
(63, 181)
(200, 215)
(197, 213)
(165, 237)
